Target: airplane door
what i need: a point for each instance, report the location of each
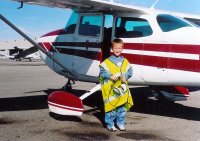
(87, 49)
(149, 59)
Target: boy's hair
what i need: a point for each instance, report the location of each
(117, 41)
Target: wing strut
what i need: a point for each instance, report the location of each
(69, 74)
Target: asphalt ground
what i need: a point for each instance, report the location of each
(24, 113)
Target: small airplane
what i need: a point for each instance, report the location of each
(20, 54)
(29, 54)
(28, 57)
(162, 48)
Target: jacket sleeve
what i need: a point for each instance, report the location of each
(104, 74)
(129, 73)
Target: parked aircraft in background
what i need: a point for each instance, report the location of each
(30, 53)
(18, 54)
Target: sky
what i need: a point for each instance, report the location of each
(35, 20)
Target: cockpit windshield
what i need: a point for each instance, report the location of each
(169, 23)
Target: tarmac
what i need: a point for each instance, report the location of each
(24, 113)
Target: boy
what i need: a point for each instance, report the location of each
(114, 73)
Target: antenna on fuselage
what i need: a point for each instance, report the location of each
(21, 5)
(152, 7)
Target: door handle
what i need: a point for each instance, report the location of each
(87, 44)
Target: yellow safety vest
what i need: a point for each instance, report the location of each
(111, 100)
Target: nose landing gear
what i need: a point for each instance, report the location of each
(68, 85)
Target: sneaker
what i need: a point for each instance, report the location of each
(112, 128)
(121, 128)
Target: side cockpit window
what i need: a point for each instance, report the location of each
(71, 24)
(90, 25)
(128, 27)
(169, 23)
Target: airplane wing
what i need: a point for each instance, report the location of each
(103, 5)
(87, 5)
(26, 52)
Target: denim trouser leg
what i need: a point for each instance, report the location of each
(109, 119)
(121, 115)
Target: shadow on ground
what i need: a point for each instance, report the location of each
(140, 96)
(142, 104)
(23, 103)
(65, 118)
(161, 108)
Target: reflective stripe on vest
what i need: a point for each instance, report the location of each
(111, 100)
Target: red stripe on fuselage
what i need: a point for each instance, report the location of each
(49, 47)
(164, 62)
(78, 44)
(55, 33)
(146, 60)
(175, 48)
(81, 53)
(41, 44)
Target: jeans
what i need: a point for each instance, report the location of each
(119, 114)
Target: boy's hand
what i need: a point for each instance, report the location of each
(114, 77)
(123, 79)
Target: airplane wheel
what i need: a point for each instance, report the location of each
(163, 99)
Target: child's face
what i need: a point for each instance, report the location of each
(117, 49)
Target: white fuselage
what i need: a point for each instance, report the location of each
(158, 53)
